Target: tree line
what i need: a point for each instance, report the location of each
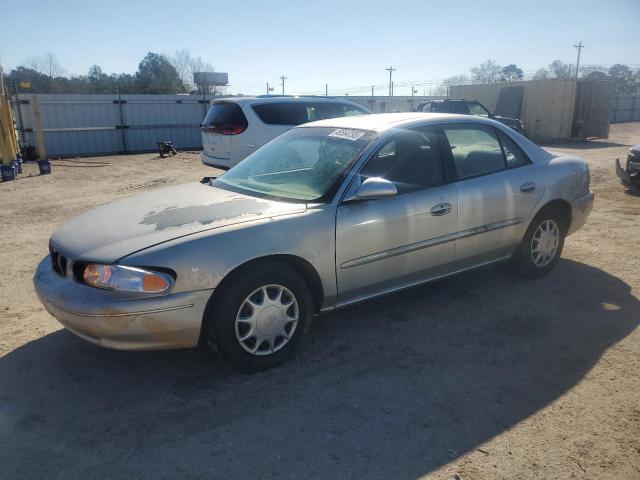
(625, 81)
(157, 74)
(170, 74)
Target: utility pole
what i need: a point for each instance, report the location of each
(282, 79)
(390, 70)
(579, 47)
(413, 90)
(326, 89)
(371, 91)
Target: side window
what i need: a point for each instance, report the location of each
(459, 107)
(410, 159)
(426, 107)
(475, 149)
(477, 109)
(513, 153)
(285, 113)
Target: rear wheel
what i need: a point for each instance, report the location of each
(541, 246)
(258, 319)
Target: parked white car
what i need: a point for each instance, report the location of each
(235, 127)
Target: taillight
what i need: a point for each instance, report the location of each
(225, 129)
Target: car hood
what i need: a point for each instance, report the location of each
(115, 230)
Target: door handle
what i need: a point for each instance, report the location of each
(527, 187)
(440, 209)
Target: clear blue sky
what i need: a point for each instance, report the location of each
(342, 43)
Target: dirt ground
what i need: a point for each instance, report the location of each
(484, 375)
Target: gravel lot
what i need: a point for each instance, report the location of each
(480, 376)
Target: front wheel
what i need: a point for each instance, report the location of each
(541, 246)
(258, 319)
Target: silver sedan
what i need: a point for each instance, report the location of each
(330, 213)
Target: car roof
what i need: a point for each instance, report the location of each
(283, 99)
(379, 122)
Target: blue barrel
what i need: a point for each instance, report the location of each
(44, 166)
(8, 173)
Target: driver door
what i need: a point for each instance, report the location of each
(386, 243)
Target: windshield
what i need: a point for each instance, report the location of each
(304, 164)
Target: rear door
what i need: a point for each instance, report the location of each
(498, 188)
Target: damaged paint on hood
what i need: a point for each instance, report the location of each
(118, 229)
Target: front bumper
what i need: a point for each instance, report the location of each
(580, 210)
(629, 180)
(98, 316)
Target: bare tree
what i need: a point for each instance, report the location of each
(51, 65)
(181, 61)
(187, 65)
(443, 88)
(33, 62)
(560, 70)
(488, 72)
(541, 74)
(46, 64)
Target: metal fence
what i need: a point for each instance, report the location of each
(626, 108)
(72, 125)
(69, 125)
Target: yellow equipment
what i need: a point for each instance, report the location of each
(8, 138)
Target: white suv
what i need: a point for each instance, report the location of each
(235, 127)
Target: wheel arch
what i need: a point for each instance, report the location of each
(562, 208)
(299, 264)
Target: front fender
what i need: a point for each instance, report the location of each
(201, 261)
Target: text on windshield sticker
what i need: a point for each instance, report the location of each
(347, 134)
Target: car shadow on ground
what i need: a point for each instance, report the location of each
(394, 388)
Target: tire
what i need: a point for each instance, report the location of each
(240, 310)
(530, 264)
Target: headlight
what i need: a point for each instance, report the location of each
(130, 279)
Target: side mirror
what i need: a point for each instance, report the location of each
(375, 187)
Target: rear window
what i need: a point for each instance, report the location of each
(297, 113)
(225, 115)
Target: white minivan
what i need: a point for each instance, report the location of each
(235, 127)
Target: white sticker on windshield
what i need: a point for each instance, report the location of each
(347, 134)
